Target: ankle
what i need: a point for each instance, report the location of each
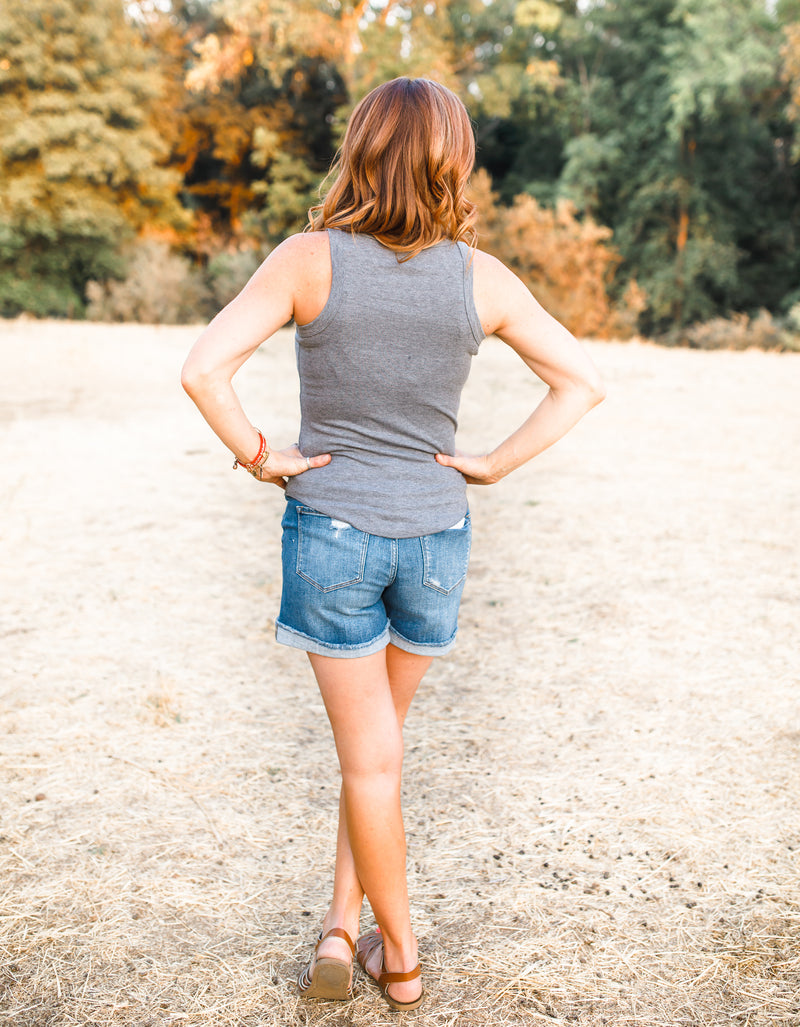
(399, 954)
(344, 917)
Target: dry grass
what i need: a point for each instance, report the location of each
(602, 780)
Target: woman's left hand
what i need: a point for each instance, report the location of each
(477, 470)
(288, 463)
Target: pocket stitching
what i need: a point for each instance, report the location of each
(362, 556)
(426, 559)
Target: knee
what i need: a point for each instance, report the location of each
(383, 760)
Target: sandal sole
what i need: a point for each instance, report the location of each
(402, 1006)
(330, 980)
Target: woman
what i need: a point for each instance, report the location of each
(390, 304)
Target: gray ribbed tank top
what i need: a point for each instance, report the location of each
(381, 373)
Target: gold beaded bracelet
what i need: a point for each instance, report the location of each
(254, 466)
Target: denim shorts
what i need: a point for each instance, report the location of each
(348, 593)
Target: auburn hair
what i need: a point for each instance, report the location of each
(402, 169)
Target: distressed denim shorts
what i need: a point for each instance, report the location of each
(348, 593)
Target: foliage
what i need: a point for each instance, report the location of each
(790, 75)
(681, 128)
(567, 263)
(737, 332)
(793, 319)
(247, 127)
(304, 65)
(255, 125)
(228, 272)
(160, 287)
(80, 156)
(670, 128)
(289, 189)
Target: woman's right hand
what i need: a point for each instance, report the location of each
(288, 463)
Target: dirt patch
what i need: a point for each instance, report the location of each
(602, 780)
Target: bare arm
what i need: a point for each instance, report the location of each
(280, 289)
(508, 310)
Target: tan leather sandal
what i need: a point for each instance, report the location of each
(326, 977)
(365, 950)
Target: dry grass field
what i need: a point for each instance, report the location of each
(603, 780)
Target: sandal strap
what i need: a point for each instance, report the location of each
(388, 977)
(337, 932)
(367, 944)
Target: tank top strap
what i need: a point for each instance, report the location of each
(469, 296)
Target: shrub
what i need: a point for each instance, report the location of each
(737, 332)
(793, 318)
(160, 287)
(566, 262)
(228, 273)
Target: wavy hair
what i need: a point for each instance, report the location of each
(402, 170)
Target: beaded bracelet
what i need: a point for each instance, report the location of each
(254, 466)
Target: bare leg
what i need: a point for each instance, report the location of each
(367, 699)
(405, 671)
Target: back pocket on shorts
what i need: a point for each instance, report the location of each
(445, 557)
(330, 554)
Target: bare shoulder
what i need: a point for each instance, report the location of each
(298, 259)
(302, 266)
(306, 249)
(308, 243)
(487, 265)
(496, 290)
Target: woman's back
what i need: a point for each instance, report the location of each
(381, 368)
(384, 346)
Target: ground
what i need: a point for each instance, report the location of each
(602, 780)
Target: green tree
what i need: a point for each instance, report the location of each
(80, 156)
(789, 10)
(679, 143)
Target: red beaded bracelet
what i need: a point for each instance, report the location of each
(254, 466)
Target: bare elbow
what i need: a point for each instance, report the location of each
(597, 390)
(584, 391)
(189, 379)
(589, 390)
(193, 379)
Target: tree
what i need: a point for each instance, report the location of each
(679, 135)
(671, 122)
(789, 10)
(80, 156)
(255, 88)
(568, 264)
(304, 65)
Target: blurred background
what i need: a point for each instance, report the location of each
(637, 160)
